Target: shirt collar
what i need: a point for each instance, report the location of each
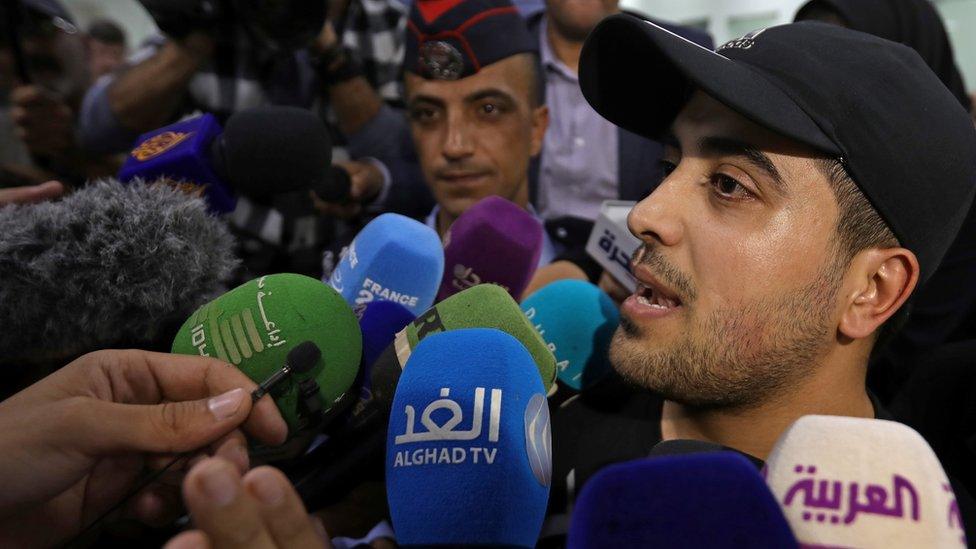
(547, 57)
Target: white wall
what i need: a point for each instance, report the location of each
(129, 14)
(724, 19)
(728, 19)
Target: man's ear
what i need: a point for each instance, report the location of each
(877, 284)
(540, 121)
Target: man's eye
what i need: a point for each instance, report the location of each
(490, 109)
(728, 188)
(423, 114)
(667, 168)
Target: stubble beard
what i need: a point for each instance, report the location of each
(737, 357)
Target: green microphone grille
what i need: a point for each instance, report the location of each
(256, 325)
(485, 306)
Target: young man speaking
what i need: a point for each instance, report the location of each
(814, 177)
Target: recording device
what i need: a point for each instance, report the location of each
(483, 306)
(611, 244)
(108, 265)
(379, 323)
(336, 187)
(360, 436)
(854, 482)
(277, 26)
(256, 325)
(468, 450)
(301, 359)
(577, 321)
(495, 242)
(393, 258)
(679, 447)
(262, 152)
(700, 500)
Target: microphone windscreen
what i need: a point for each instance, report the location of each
(483, 306)
(856, 482)
(379, 323)
(699, 500)
(275, 149)
(336, 187)
(494, 241)
(181, 154)
(577, 320)
(107, 265)
(680, 447)
(394, 258)
(468, 447)
(256, 325)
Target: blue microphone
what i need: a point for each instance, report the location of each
(577, 321)
(700, 500)
(394, 258)
(262, 152)
(468, 458)
(379, 321)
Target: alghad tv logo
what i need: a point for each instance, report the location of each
(444, 420)
(444, 427)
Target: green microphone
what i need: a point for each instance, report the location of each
(481, 306)
(257, 324)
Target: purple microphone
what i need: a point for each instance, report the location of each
(494, 242)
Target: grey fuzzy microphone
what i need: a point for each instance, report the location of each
(108, 265)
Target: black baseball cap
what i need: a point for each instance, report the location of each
(452, 39)
(872, 103)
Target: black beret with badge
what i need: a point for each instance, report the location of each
(453, 39)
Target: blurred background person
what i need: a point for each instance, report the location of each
(340, 58)
(42, 81)
(107, 47)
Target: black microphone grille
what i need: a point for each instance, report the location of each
(274, 149)
(303, 357)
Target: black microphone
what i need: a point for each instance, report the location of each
(336, 187)
(300, 360)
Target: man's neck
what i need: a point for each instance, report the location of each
(444, 221)
(754, 430)
(567, 51)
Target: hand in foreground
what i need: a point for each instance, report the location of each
(31, 194)
(44, 122)
(259, 511)
(365, 183)
(74, 443)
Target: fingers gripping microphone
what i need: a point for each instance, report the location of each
(263, 151)
(700, 500)
(852, 482)
(577, 320)
(468, 449)
(495, 242)
(394, 258)
(257, 325)
(300, 361)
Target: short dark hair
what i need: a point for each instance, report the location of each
(859, 227)
(107, 32)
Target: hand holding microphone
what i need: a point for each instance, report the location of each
(348, 186)
(74, 443)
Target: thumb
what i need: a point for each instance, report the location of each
(31, 194)
(169, 427)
